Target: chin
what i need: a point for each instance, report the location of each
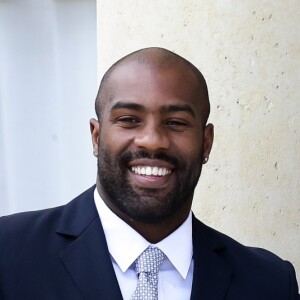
(150, 209)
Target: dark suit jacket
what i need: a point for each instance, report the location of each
(61, 253)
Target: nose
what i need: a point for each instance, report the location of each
(152, 138)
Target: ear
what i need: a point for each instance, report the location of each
(94, 127)
(208, 141)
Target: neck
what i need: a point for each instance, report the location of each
(156, 232)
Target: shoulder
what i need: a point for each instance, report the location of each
(19, 223)
(31, 227)
(233, 249)
(251, 267)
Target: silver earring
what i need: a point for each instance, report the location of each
(205, 160)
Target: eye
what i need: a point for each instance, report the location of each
(128, 121)
(177, 124)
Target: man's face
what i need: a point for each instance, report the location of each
(151, 141)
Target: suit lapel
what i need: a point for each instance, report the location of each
(87, 259)
(212, 274)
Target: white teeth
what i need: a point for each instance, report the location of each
(154, 171)
(148, 171)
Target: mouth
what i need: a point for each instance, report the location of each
(151, 174)
(151, 171)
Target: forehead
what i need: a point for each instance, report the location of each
(154, 85)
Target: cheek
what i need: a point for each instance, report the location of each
(189, 145)
(115, 140)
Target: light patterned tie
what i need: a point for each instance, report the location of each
(147, 266)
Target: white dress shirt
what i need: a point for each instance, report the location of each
(125, 245)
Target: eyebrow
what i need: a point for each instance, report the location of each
(128, 105)
(164, 109)
(177, 108)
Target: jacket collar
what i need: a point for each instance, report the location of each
(212, 273)
(78, 214)
(86, 258)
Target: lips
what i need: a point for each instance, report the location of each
(151, 171)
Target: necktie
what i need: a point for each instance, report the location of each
(147, 266)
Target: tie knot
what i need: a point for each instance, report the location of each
(149, 261)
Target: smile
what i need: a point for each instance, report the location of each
(151, 171)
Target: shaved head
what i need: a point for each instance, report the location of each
(158, 59)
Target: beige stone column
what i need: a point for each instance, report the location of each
(249, 52)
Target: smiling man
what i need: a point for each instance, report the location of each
(133, 236)
(152, 140)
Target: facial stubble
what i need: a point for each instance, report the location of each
(145, 204)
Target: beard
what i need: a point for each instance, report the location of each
(145, 204)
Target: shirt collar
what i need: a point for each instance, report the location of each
(125, 244)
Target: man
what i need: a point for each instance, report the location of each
(151, 140)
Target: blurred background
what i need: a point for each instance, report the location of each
(47, 88)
